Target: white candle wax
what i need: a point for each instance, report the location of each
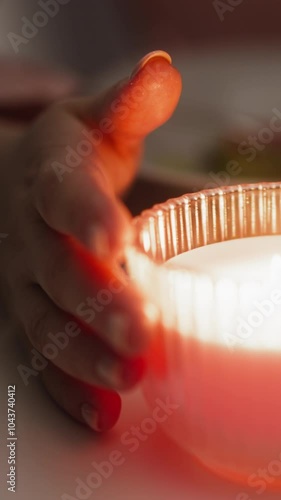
(240, 260)
(238, 297)
(220, 355)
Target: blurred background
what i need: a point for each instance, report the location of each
(227, 128)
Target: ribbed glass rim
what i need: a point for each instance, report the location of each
(198, 219)
(198, 303)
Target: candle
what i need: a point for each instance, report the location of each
(240, 289)
(218, 353)
(230, 366)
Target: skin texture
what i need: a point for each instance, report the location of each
(66, 230)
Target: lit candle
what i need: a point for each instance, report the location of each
(219, 353)
(239, 287)
(231, 363)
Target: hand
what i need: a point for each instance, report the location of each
(86, 323)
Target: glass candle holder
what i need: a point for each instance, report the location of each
(217, 355)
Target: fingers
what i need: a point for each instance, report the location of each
(98, 408)
(76, 351)
(99, 295)
(138, 104)
(129, 111)
(84, 206)
(91, 150)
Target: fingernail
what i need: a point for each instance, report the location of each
(99, 243)
(90, 416)
(120, 375)
(152, 55)
(128, 336)
(110, 373)
(116, 330)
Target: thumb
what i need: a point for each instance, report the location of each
(124, 115)
(112, 128)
